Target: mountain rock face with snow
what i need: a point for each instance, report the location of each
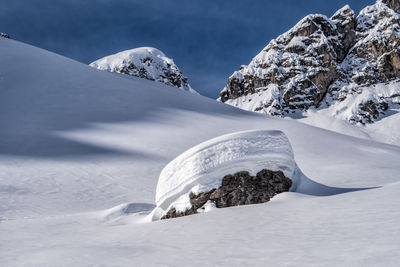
(322, 61)
(145, 62)
(393, 4)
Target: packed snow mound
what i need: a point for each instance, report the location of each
(145, 62)
(203, 167)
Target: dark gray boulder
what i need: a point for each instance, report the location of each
(238, 189)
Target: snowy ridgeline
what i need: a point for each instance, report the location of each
(145, 62)
(203, 167)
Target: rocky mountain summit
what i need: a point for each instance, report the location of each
(323, 61)
(145, 62)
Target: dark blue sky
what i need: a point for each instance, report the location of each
(208, 39)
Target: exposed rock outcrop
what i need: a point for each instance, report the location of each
(238, 189)
(4, 35)
(320, 61)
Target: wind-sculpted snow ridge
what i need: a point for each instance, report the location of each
(145, 62)
(203, 167)
(322, 61)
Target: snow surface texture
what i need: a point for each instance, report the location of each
(321, 63)
(145, 62)
(80, 157)
(202, 167)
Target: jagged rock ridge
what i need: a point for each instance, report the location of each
(321, 61)
(145, 62)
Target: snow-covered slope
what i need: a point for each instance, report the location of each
(325, 62)
(80, 157)
(145, 62)
(338, 116)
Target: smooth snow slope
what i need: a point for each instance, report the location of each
(75, 142)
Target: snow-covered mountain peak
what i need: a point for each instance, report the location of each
(144, 54)
(294, 70)
(343, 12)
(145, 62)
(344, 16)
(322, 60)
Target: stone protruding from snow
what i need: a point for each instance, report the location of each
(145, 62)
(203, 167)
(238, 189)
(4, 35)
(321, 61)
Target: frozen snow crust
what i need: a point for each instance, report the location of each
(203, 167)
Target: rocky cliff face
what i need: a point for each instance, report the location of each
(145, 62)
(321, 61)
(393, 4)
